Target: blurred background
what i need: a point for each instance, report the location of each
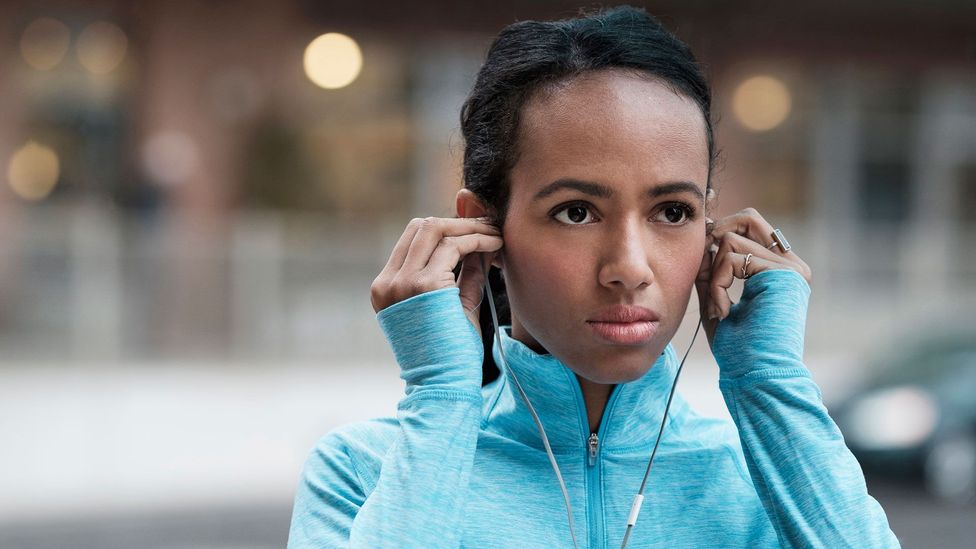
(196, 195)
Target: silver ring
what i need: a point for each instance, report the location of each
(744, 265)
(779, 240)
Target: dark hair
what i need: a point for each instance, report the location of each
(529, 56)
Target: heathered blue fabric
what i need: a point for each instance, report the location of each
(463, 466)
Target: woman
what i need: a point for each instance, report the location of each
(588, 155)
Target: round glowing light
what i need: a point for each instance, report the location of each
(44, 43)
(33, 171)
(333, 60)
(761, 103)
(102, 47)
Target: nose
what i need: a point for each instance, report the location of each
(626, 263)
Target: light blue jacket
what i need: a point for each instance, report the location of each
(463, 466)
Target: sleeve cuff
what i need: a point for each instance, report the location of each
(781, 279)
(434, 342)
(764, 331)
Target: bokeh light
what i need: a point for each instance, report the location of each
(101, 47)
(761, 103)
(333, 60)
(44, 43)
(898, 417)
(170, 157)
(33, 171)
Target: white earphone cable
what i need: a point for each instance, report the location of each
(639, 498)
(525, 397)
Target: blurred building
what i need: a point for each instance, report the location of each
(196, 195)
(176, 184)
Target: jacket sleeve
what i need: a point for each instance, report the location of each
(421, 489)
(810, 484)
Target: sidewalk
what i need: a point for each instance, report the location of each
(84, 440)
(89, 441)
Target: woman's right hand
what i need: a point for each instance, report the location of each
(424, 259)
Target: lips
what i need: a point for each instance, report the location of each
(625, 313)
(622, 324)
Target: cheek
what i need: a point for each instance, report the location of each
(537, 269)
(687, 259)
(545, 283)
(681, 268)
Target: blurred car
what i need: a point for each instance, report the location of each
(915, 415)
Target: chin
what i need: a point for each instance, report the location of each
(625, 365)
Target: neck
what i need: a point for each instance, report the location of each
(550, 385)
(595, 396)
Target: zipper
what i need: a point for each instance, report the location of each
(594, 492)
(594, 445)
(593, 469)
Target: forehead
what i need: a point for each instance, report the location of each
(610, 126)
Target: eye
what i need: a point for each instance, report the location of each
(572, 214)
(677, 213)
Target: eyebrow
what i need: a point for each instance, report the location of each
(602, 191)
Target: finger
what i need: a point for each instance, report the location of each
(731, 241)
(734, 242)
(399, 253)
(748, 223)
(723, 274)
(728, 268)
(433, 229)
(452, 248)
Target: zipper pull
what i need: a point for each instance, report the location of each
(594, 445)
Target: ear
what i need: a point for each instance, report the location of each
(469, 205)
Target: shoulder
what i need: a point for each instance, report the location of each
(694, 428)
(354, 451)
(696, 433)
(360, 435)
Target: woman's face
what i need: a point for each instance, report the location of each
(606, 209)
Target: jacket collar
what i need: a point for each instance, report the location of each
(631, 419)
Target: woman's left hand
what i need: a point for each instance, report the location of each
(736, 236)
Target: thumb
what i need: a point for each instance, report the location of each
(702, 283)
(471, 284)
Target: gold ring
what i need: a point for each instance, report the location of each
(744, 265)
